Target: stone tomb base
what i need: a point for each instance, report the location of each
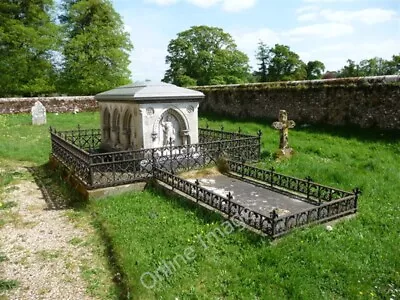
(94, 194)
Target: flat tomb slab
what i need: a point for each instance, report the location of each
(254, 197)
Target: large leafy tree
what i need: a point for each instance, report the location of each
(315, 69)
(95, 48)
(205, 55)
(285, 65)
(28, 36)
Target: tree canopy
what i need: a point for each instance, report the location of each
(279, 63)
(28, 36)
(314, 69)
(95, 47)
(371, 67)
(205, 55)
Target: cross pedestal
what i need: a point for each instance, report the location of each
(283, 126)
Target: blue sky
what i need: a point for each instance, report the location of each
(328, 30)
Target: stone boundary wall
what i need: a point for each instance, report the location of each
(52, 104)
(368, 102)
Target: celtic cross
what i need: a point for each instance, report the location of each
(283, 126)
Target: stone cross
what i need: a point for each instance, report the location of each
(38, 112)
(283, 126)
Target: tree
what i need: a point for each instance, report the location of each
(394, 65)
(263, 55)
(28, 36)
(95, 48)
(285, 65)
(205, 55)
(350, 70)
(314, 69)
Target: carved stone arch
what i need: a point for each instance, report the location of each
(106, 124)
(116, 125)
(183, 122)
(127, 127)
(171, 126)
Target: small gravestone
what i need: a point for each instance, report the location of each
(283, 126)
(38, 112)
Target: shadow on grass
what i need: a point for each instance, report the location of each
(348, 132)
(56, 193)
(204, 213)
(59, 195)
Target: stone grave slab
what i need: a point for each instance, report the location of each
(254, 197)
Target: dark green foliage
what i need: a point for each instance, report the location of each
(95, 49)
(264, 57)
(371, 67)
(314, 69)
(28, 36)
(285, 65)
(281, 64)
(205, 55)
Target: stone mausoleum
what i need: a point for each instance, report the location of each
(148, 115)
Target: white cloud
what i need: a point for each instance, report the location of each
(328, 1)
(307, 9)
(237, 5)
(204, 3)
(307, 17)
(335, 55)
(247, 40)
(324, 30)
(162, 2)
(367, 16)
(227, 5)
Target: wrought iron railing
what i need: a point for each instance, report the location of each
(211, 135)
(304, 187)
(87, 139)
(122, 167)
(77, 160)
(272, 225)
(322, 213)
(223, 204)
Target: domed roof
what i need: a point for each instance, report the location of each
(147, 91)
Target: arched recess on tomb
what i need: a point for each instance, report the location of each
(127, 128)
(106, 124)
(116, 126)
(172, 124)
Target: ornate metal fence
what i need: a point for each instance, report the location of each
(78, 150)
(77, 160)
(272, 225)
(87, 139)
(322, 213)
(304, 187)
(211, 135)
(218, 202)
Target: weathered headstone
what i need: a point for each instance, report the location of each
(283, 126)
(38, 112)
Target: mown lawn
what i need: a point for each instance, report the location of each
(358, 259)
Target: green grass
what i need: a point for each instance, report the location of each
(19, 140)
(6, 285)
(359, 259)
